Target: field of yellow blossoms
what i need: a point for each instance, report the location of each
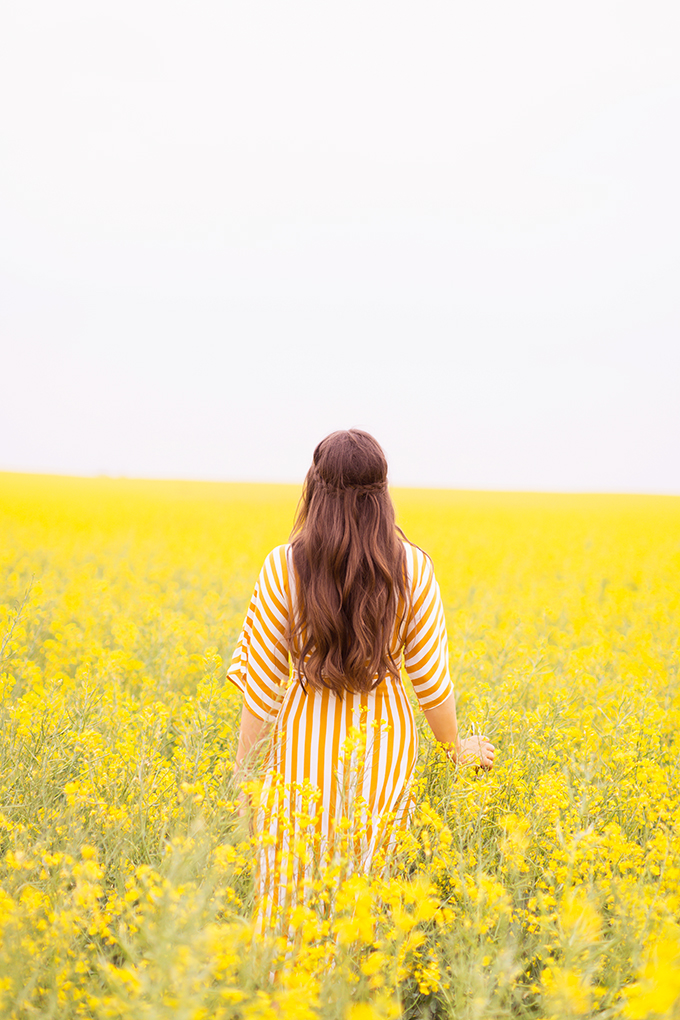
(549, 888)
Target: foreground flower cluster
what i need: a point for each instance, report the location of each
(547, 888)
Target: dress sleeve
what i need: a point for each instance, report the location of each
(259, 666)
(426, 650)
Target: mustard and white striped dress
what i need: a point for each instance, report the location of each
(351, 757)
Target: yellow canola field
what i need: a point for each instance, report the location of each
(547, 888)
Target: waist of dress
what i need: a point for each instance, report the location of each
(387, 681)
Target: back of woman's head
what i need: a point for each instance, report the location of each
(350, 567)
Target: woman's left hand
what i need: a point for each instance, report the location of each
(477, 750)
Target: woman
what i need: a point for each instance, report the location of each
(345, 600)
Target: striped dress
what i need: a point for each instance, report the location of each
(337, 771)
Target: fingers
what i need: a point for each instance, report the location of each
(477, 751)
(487, 751)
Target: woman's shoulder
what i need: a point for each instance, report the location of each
(277, 560)
(419, 569)
(274, 571)
(272, 582)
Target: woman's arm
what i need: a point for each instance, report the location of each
(426, 661)
(476, 750)
(252, 732)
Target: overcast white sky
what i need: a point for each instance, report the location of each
(227, 229)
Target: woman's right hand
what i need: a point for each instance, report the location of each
(477, 750)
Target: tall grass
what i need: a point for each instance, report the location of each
(547, 888)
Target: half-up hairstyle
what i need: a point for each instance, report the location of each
(350, 567)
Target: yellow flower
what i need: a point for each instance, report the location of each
(657, 989)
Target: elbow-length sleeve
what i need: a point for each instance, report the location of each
(426, 651)
(259, 665)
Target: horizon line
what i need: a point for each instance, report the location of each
(298, 484)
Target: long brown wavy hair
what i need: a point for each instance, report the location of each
(349, 562)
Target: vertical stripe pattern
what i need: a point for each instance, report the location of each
(333, 760)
